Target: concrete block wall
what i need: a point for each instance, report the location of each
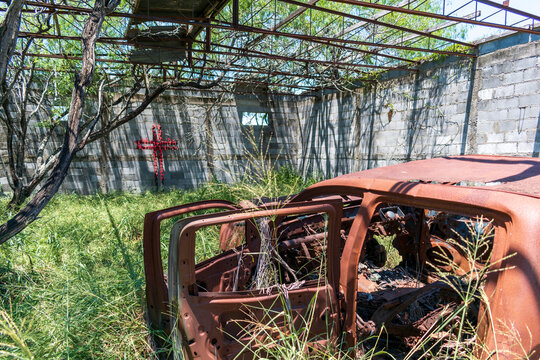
(114, 163)
(399, 118)
(508, 119)
(487, 105)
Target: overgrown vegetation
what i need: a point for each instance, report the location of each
(72, 284)
(452, 336)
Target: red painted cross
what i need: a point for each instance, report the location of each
(158, 145)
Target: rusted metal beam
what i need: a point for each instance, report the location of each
(259, 54)
(207, 44)
(441, 26)
(282, 23)
(250, 53)
(446, 17)
(254, 69)
(242, 28)
(375, 22)
(360, 24)
(509, 9)
(369, 52)
(227, 66)
(235, 12)
(293, 15)
(376, 16)
(172, 67)
(299, 11)
(226, 80)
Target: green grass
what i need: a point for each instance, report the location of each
(72, 283)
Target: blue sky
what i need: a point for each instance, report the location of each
(478, 32)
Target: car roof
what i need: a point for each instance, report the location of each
(520, 175)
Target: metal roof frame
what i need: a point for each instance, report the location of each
(226, 56)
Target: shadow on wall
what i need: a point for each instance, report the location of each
(437, 95)
(255, 147)
(182, 121)
(284, 116)
(370, 110)
(397, 118)
(114, 163)
(325, 135)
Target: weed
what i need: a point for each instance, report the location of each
(12, 341)
(393, 257)
(76, 275)
(455, 335)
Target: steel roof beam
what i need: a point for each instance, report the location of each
(250, 53)
(447, 17)
(69, 57)
(375, 22)
(376, 16)
(243, 28)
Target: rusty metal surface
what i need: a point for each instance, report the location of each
(418, 203)
(500, 173)
(206, 318)
(156, 286)
(513, 204)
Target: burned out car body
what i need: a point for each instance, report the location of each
(421, 204)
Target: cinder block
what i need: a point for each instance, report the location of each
(525, 148)
(493, 137)
(506, 126)
(506, 148)
(504, 91)
(529, 100)
(530, 87)
(492, 82)
(531, 74)
(506, 103)
(513, 77)
(517, 136)
(532, 112)
(492, 116)
(528, 124)
(525, 63)
(486, 94)
(484, 126)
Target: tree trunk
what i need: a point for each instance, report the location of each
(9, 30)
(73, 140)
(30, 212)
(17, 199)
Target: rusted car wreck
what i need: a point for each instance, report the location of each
(430, 208)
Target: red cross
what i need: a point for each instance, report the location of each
(158, 145)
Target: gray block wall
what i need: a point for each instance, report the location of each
(212, 143)
(487, 105)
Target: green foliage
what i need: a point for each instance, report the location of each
(393, 257)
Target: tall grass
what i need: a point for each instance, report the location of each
(453, 336)
(72, 283)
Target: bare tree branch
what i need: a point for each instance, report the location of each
(120, 120)
(96, 118)
(30, 212)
